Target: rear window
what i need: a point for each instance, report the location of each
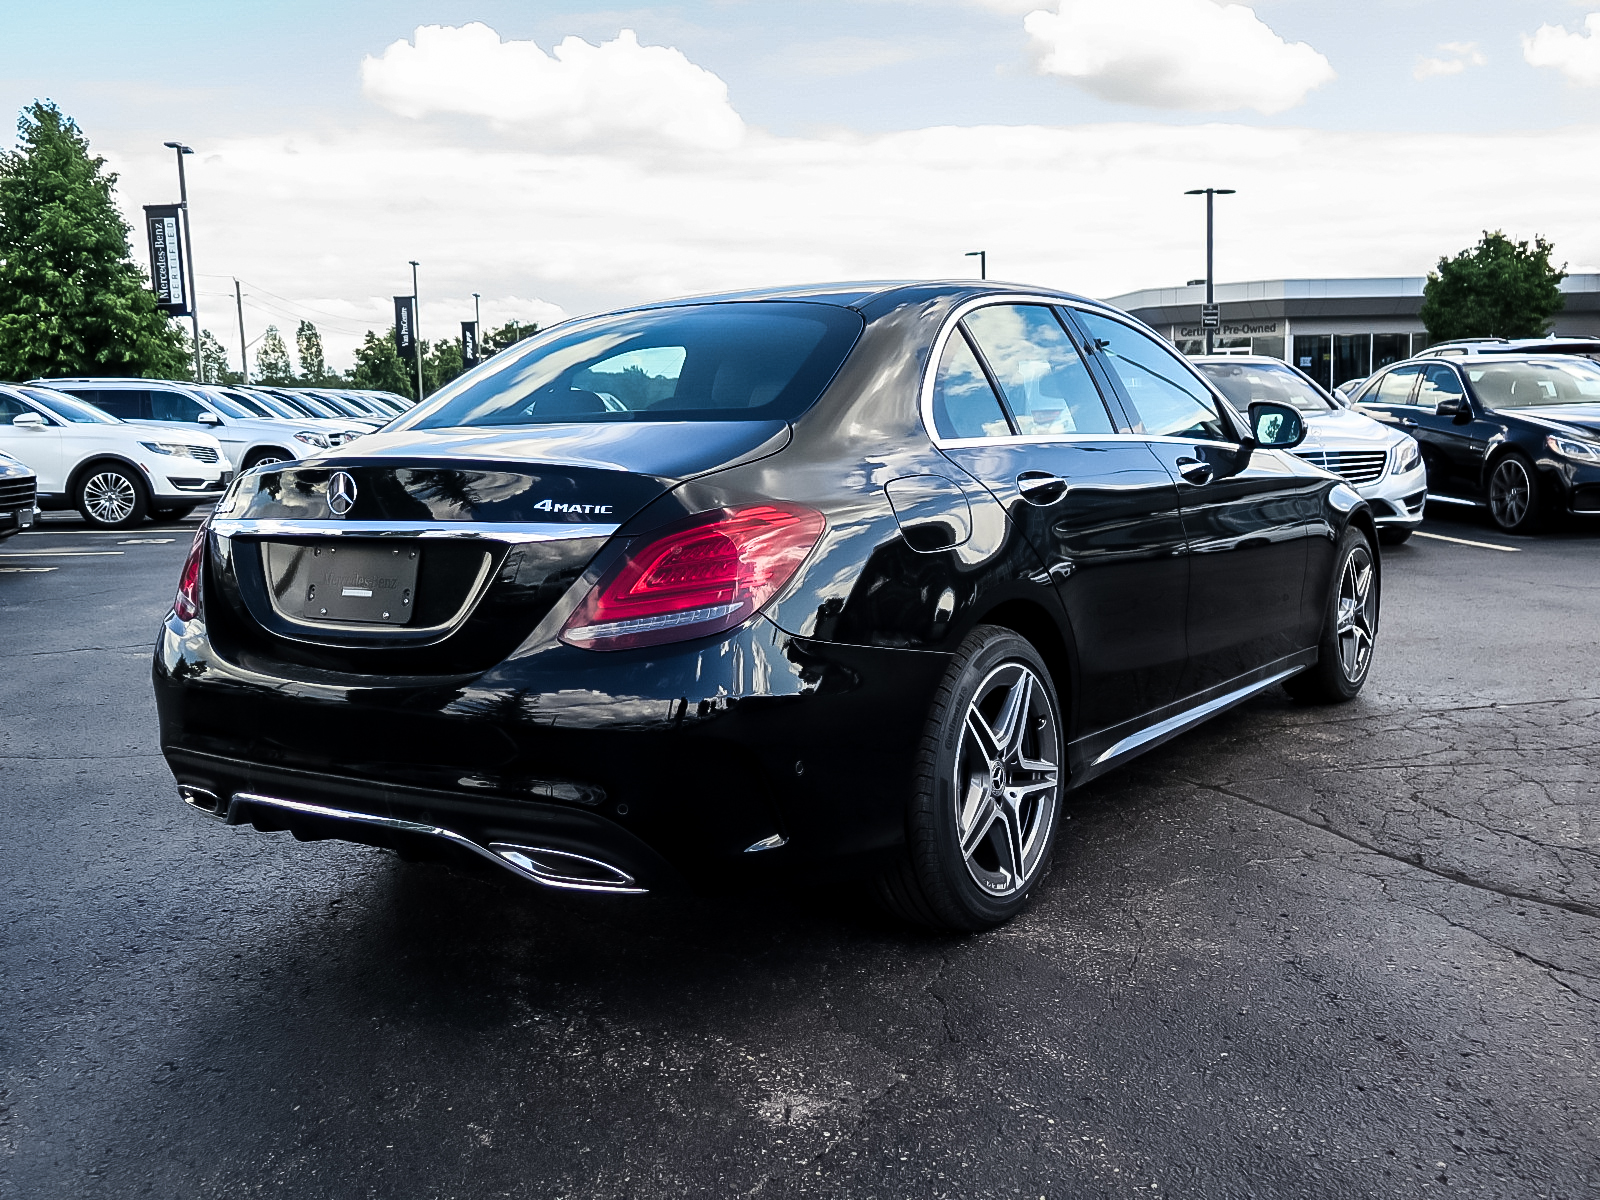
(747, 361)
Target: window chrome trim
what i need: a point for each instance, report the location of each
(513, 532)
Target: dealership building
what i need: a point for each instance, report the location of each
(1333, 329)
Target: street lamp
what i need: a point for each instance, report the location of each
(477, 326)
(416, 326)
(1210, 194)
(983, 261)
(194, 301)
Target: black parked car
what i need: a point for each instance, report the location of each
(18, 497)
(854, 580)
(1519, 435)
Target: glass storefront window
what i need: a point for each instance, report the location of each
(1389, 348)
(1272, 347)
(1313, 354)
(1352, 357)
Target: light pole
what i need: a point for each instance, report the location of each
(416, 326)
(194, 301)
(1211, 277)
(477, 326)
(983, 261)
(244, 348)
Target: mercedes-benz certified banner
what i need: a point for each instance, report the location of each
(168, 279)
(405, 324)
(469, 343)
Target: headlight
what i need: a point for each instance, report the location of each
(1407, 457)
(174, 448)
(1588, 452)
(318, 440)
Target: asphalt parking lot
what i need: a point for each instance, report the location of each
(1299, 952)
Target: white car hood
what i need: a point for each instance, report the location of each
(1346, 430)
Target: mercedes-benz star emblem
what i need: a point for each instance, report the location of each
(341, 493)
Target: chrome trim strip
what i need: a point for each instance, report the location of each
(495, 531)
(1438, 499)
(449, 835)
(1190, 717)
(767, 843)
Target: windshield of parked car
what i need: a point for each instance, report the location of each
(1527, 384)
(69, 408)
(1246, 383)
(741, 361)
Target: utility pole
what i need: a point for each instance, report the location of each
(1209, 317)
(983, 261)
(244, 347)
(416, 326)
(477, 325)
(194, 300)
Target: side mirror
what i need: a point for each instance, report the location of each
(1453, 406)
(1276, 426)
(209, 418)
(27, 420)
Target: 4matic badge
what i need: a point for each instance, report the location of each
(559, 506)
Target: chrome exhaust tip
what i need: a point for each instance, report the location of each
(204, 801)
(563, 869)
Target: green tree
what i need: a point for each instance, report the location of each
(72, 302)
(441, 362)
(213, 361)
(379, 368)
(1499, 288)
(273, 365)
(508, 334)
(313, 365)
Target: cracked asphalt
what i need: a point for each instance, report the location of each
(1298, 952)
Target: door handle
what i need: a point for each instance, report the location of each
(1407, 423)
(1041, 487)
(1195, 471)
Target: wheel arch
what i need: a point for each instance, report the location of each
(1031, 620)
(244, 462)
(79, 472)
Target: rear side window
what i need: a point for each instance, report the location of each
(1041, 375)
(130, 404)
(1169, 400)
(964, 405)
(740, 361)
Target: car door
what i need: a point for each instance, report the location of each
(1017, 408)
(1457, 440)
(36, 447)
(1247, 516)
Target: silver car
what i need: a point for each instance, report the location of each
(1381, 463)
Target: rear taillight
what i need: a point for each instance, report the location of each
(187, 603)
(701, 578)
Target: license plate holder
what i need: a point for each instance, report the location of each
(346, 584)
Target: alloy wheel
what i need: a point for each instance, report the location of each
(1355, 628)
(1510, 493)
(110, 497)
(1007, 776)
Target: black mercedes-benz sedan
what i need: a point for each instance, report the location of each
(851, 581)
(18, 497)
(1518, 435)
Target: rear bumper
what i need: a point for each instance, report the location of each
(669, 767)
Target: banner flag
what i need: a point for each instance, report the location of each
(168, 279)
(469, 343)
(405, 324)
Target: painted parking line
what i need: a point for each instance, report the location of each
(65, 554)
(26, 570)
(1439, 537)
(105, 532)
(146, 542)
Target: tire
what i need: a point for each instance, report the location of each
(1349, 628)
(996, 679)
(176, 513)
(265, 458)
(1394, 537)
(111, 496)
(1514, 494)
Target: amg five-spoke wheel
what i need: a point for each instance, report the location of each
(1513, 494)
(987, 802)
(1357, 618)
(1350, 626)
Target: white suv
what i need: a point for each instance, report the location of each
(250, 440)
(115, 474)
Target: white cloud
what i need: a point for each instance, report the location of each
(618, 91)
(1190, 54)
(1575, 55)
(1456, 58)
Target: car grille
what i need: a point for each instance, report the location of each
(1358, 466)
(16, 493)
(203, 453)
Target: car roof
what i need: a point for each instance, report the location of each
(875, 293)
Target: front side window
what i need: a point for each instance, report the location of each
(1439, 383)
(1169, 400)
(1246, 383)
(964, 405)
(11, 407)
(1041, 375)
(174, 406)
(1394, 388)
(738, 361)
(68, 408)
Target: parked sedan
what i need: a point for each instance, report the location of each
(1379, 461)
(18, 492)
(853, 580)
(114, 473)
(1519, 435)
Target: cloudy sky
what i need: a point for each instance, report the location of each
(562, 158)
